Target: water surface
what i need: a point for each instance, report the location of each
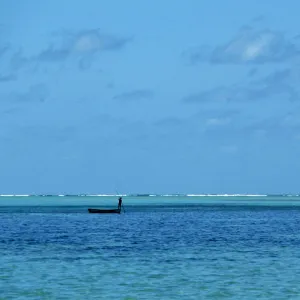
(175, 250)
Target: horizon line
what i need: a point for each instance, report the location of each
(153, 195)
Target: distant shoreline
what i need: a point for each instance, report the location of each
(150, 195)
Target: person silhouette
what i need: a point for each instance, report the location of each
(120, 203)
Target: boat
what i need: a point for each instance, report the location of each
(104, 211)
(108, 211)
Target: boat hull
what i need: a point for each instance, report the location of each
(104, 211)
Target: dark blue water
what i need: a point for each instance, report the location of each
(192, 252)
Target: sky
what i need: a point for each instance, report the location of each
(149, 96)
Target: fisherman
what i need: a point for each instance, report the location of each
(120, 203)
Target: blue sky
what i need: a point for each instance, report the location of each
(149, 96)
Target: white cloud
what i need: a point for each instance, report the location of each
(250, 45)
(80, 46)
(94, 40)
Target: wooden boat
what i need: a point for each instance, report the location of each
(104, 211)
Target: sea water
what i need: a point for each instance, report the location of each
(160, 248)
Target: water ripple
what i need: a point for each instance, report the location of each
(170, 254)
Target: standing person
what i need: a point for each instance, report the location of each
(120, 203)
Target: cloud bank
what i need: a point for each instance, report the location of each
(248, 46)
(81, 46)
(279, 83)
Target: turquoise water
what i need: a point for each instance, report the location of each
(175, 248)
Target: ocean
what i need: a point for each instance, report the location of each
(175, 247)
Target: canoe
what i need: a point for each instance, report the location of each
(104, 211)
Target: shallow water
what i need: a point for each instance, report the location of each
(151, 252)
